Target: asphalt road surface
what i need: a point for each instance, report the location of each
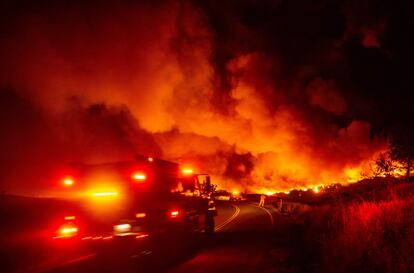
(247, 239)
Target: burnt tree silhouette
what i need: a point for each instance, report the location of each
(402, 149)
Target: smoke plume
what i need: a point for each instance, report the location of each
(257, 94)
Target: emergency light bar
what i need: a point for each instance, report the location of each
(103, 194)
(187, 171)
(67, 231)
(139, 176)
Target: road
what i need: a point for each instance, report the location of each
(247, 239)
(249, 242)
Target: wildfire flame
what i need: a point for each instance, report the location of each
(113, 88)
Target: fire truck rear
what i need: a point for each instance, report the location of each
(139, 203)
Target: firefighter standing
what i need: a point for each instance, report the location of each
(262, 200)
(280, 204)
(211, 213)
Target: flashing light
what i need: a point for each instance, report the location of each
(122, 228)
(68, 181)
(150, 159)
(187, 171)
(70, 217)
(66, 231)
(69, 231)
(139, 176)
(141, 215)
(174, 213)
(104, 194)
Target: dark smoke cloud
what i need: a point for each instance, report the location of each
(265, 95)
(36, 146)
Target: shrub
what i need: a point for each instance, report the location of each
(369, 237)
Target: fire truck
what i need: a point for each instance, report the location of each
(138, 202)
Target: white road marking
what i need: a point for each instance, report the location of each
(235, 214)
(267, 211)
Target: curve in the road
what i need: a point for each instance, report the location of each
(272, 221)
(230, 219)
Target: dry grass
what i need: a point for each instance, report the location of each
(371, 237)
(363, 236)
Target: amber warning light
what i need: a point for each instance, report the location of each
(68, 181)
(141, 215)
(187, 171)
(139, 176)
(104, 194)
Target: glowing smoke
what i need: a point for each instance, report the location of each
(116, 80)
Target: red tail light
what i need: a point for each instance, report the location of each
(174, 213)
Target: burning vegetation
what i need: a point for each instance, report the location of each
(364, 227)
(266, 97)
